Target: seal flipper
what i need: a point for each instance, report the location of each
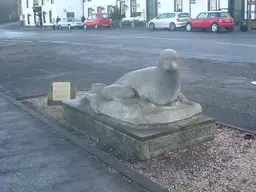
(97, 87)
(117, 92)
(183, 99)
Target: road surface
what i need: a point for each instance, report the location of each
(217, 68)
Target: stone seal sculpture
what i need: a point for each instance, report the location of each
(147, 96)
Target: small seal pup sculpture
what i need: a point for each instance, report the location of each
(159, 85)
(147, 96)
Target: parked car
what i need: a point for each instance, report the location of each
(169, 21)
(213, 20)
(98, 20)
(70, 23)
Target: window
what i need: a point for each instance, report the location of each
(103, 16)
(89, 11)
(44, 19)
(70, 14)
(27, 3)
(202, 15)
(28, 19)
(170, 15)
(183, 15)
(133, 8)
(213, 15)
(52, 1)
(109, 9)
(213, 5)
(162, 16)
(99, 9)
(35, 18)
(178, 5)
(42, 1)
(224, 14)
(50, 16)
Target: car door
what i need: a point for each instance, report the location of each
(89, 21)
(95, 19)
(211, 18)
(160, 20)
(201, 21)
(62, 22)
(169, 19)
(104, 19)
(69, 21)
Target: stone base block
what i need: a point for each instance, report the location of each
(145, 141)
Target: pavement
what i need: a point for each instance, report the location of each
(217, 68)
(34, 157)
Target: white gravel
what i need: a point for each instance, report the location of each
(226, 164)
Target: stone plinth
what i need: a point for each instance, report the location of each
(144, 141)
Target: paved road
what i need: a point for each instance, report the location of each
(35, 158)
(216, 68)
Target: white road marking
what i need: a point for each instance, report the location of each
(236, 44)
(253, 82)
(136, 37)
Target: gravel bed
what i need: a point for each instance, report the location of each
(226, 164)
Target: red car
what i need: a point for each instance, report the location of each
(214, 20)
(98, 20)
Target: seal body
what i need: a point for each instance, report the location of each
(156, 84)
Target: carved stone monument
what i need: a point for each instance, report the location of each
(144, 112)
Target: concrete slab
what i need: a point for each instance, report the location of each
(145, 141)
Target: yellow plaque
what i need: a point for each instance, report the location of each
(61, 91)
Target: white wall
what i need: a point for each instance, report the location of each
(200, 6)
(62, 7)
(96, 3)
(223, 4)
(26, 11)
(59, 8)
(141, 7)
(49, 7)
(165, 6)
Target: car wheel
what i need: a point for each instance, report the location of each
(69, 27)
(172, 27)
(152, 26)
(189, 27)
(215, 27)
(243, 29)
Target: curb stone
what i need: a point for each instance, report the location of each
(116, 164)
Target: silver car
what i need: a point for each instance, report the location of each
(171, 21)
(70, 23)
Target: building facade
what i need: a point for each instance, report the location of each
(50, 10)
(151, 8)
(9, 10)
(147, 9)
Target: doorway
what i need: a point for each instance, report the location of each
(236, 10)
(151, 9)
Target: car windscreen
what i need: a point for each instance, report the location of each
(224, 14)
(183, 15)
(103, 16)
(72, 20)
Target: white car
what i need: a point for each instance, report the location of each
(171, 21)
(70, 23)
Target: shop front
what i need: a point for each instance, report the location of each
(243, 10)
